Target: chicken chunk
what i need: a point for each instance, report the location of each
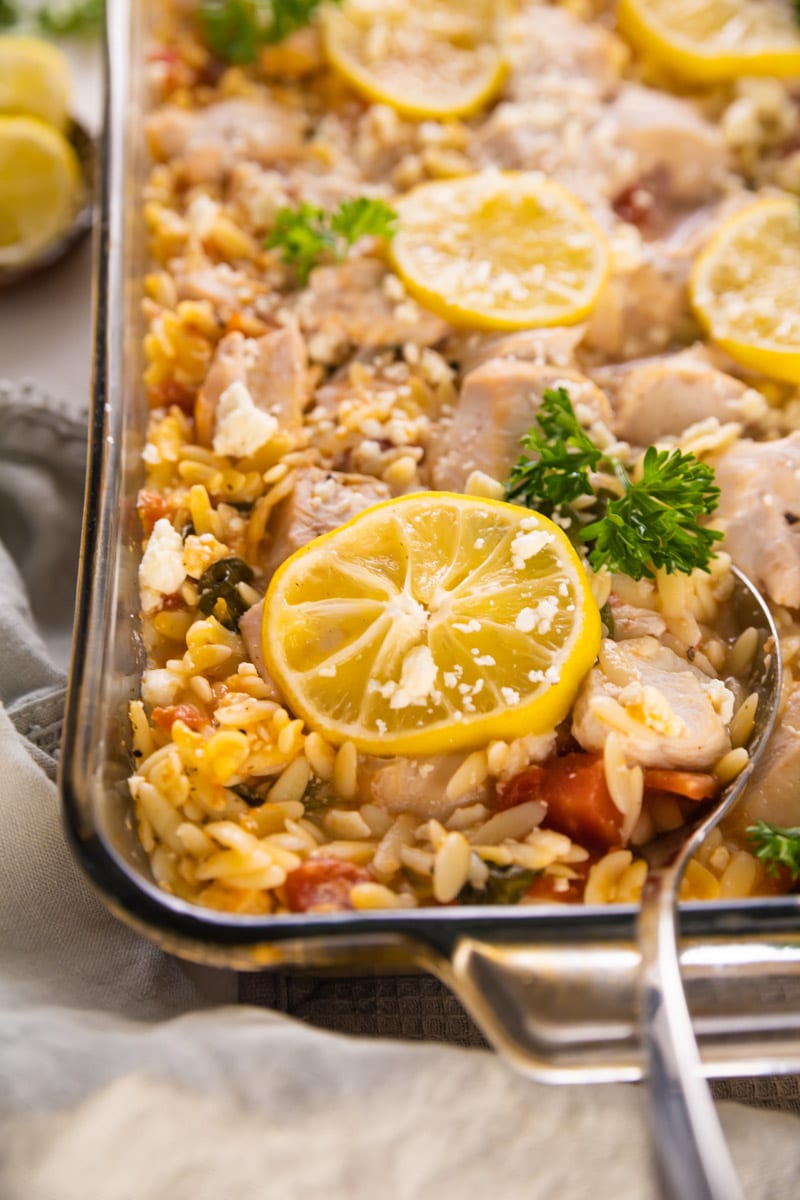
(772, 793)
(359, 303)
(497, 405)
(555, 345)
(319, 502)
(273, 368)
(418, 786)
(663, 396)
(759, 513)
(250, 629)
(669, 140)
(668, 712)
(203, 145)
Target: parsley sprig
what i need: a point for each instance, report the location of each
(653, 524)
(236, 29)
(776, 847)
(306, 235)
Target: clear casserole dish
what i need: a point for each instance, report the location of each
(553, 987)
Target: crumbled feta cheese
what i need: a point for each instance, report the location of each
(527, 544)
(510, 695)
(470, 626)
(417, 679)
(161, 571)
(241, 429)
(160, 687)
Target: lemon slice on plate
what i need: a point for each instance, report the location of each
(711, 40)
(500, 250)
(744, 288)
(40, 184)
(432, 622)
(440, 58)
(34, 80)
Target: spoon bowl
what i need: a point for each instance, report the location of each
(692, 1159)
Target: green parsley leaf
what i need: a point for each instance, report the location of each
(776, 847)
(9, 14)
(504, 885)
(654, 523)
(236, 29)
(307, 234)
(72, 17)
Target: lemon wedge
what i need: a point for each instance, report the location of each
(440, 58)
(34, 80)
(500, 250)
(432, 622)
(712, 40)
(744, 288)
(40, 184)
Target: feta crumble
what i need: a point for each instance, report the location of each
(241, 428)
(161, 571)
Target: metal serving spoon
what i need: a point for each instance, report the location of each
(84, 146)
(692, 1158)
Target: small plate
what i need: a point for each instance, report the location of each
(85, 147)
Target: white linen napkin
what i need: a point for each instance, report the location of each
(125, 1075)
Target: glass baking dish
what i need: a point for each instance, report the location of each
(553, 987)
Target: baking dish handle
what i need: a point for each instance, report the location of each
(567, 1013)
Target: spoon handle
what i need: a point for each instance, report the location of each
(691, 1156)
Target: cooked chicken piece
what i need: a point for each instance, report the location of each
(250, 629)
(772, 793)
(759, 513)
(668, 712)
(663, 396)
(319, 502)
(417, 785)
(273, 368)
(556, 345)
(359, 303)
(546, 44)
(203, 145)
(670, 141)
(227, 289)
(497, 405)
(632, 622)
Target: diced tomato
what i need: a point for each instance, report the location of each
(694, 785)
(162, 395)
(634, 204)
(550, 887)
(188, 713)
(151, 508)
(323, 885)
(579, 804)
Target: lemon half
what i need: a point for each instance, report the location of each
(40, 184)
(744, 288)
(500, 250)
(432, 622)
(424, 58)
(713, 40)
(34, 80)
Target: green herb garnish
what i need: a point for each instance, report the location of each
(504, 885)
(9, 14)
(77, 17)
(776, 847)
(654, 523)
(221, 581)
(236, 29)
(307, 234)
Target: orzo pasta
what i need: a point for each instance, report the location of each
(372, 682)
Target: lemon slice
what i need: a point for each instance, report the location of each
(34, 80)
(440, 58)
(500, 250)
(39, 187)
(711, 40)
(744, 288)
(432, 622)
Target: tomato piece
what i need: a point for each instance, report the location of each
(151, 508)
(578, 801)
(323, 885)
(694, 785)
(191, 716)
(550, 887)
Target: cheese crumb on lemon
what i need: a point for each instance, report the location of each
(424, 58)
(744, 287)
(713, 40)
(500, 250)
(396, 633)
